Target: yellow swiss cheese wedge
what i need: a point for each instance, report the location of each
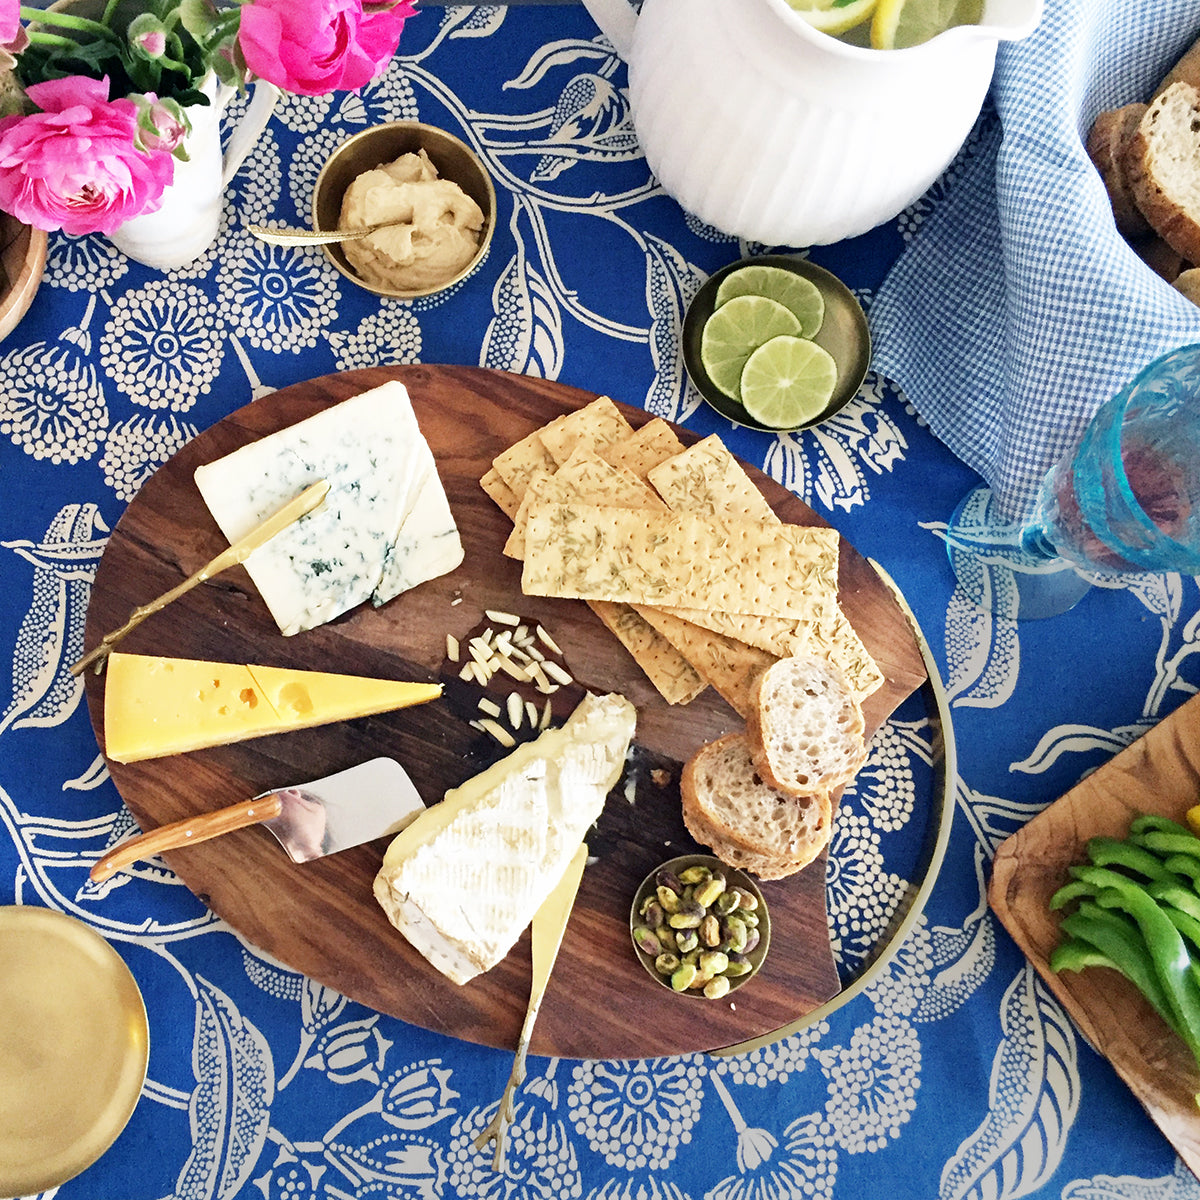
(157, 706)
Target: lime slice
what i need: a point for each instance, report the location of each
(901, 23)
(735, 331)
(834, 16)
(793, 291)
(787, 381)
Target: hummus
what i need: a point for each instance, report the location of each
(436, 226)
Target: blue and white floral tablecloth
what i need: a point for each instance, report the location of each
(955, 1076)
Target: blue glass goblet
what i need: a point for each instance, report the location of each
(1125, 500)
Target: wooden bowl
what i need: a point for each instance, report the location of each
(22, 264)
(365, 151)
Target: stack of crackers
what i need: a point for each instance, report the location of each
(676, 551)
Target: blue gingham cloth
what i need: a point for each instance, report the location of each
(1017, 309)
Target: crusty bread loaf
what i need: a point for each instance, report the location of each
(1188, 282)
(805, 726)
(1110, 134)
(1162, 165)
(743, 820)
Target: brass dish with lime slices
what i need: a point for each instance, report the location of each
(776, 343)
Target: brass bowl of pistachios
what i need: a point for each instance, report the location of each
(699, 927)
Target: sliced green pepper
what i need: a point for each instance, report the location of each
(1152, 821)
(1165, 844)
(1176, 895)
(1168, 953)
(1120, 941)
(1087, 881)
(1185, 865)
(1110, 852)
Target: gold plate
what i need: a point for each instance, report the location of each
(74, 1045)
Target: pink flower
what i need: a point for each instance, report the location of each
(10, 21)
(319, 46)
(74, 166)
(162, 125)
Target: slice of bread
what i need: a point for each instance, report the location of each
(1188, 282)
(1110, 134)
(805, 726)
(1162, 165)
(747, 823)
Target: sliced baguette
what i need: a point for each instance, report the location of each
(805, 726)
(1162, 164)
(743, 820)
(1110, 134)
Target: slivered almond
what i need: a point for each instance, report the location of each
(548, 641)
(452, 651)
(498, 732)
(516, 710)
(489, 706)
(502, 618)
(556, 672)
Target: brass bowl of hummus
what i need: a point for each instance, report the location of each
(430, 194)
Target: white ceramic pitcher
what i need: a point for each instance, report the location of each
(772, 131)
(186, 223)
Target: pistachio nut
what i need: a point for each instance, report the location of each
(668, 898)
(669, 880)
(707, 892)
(687, 939)
(710, 930)
(717, 987)
(713, 962)
(646, 940)
(666, 964)
(682, 976)
(695, 875)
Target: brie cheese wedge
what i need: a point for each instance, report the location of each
(463, 881)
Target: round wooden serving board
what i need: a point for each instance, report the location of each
(321, 917)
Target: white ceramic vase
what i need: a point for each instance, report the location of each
(186, 223)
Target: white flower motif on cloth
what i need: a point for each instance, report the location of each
(135, 448)
(671, 284)
(539, 1159)
(391, 96)
(276, 298)
(51, 402)
(905, 980)
(774, 1064)
(831, 465)
(803, 1166)
(886, 785)
(305, 166)
(872, 1083)
(861, 895)
(304, 114)
(391, 335)
(637, 1113)
(83, 264)
(271, 976)
(1181, 1185)
(254, 190)
(631, 1189)
(162, 346)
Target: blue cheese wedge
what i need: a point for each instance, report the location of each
(463, 881)
(384, 527)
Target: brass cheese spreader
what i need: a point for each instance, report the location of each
(365, 802)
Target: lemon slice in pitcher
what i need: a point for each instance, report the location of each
(834, 16)
(793, 291)
(735, 331)
(898, 24)
(787, 382)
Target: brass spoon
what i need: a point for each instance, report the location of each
(316, 237)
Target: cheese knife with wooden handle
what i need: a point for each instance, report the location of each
(291, 512)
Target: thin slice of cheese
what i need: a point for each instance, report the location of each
(157, 706)
(466, 877)
(384, 527)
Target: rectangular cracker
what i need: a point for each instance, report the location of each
(644, 448)
(706, 479)
(584, 476)
(674, 677)
(594, 425)
(499, 491)
(515, 465)
(729, 666)
(678, 559)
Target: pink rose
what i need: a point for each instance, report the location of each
(319, 46)
(74, 166)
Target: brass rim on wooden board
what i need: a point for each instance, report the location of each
(74, 1047)
(945, 783)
